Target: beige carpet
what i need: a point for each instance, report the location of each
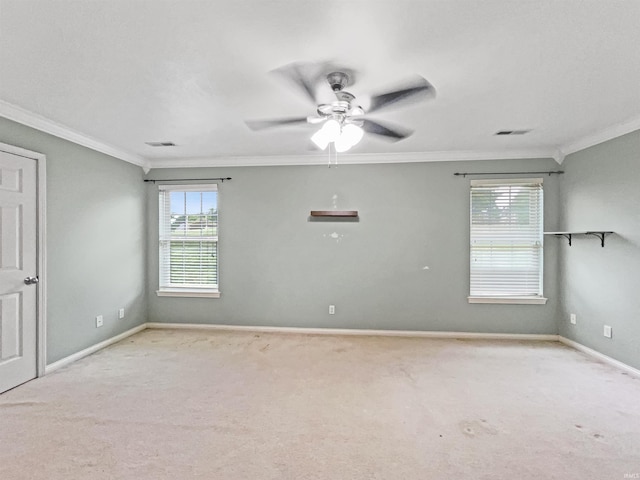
(192, 404)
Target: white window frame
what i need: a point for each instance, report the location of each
(212, 291)
(506, 298)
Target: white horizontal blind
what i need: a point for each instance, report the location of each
(506, 237)
(188, 237)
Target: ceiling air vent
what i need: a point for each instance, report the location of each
(512, 132)
(161, 144)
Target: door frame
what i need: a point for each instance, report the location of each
(41, 250)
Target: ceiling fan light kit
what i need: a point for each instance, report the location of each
(344, 121)
(343, 136)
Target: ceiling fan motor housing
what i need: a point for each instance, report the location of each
(338, 80)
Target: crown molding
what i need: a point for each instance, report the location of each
(38, 122)
(351, 158)
(601, 136)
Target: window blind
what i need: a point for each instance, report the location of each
(506, 238)
(188, 237)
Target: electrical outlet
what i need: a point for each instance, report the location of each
(332, 309)
(99, 321)
(607, 331)
(121, 313)
(572, 318)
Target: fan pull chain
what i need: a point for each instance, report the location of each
(329, 156)
(332, 152)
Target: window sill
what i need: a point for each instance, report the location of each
(188, 293)
(509, 300)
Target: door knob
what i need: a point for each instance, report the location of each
(31, 280)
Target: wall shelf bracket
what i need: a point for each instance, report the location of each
(569, 235)
(600, 235)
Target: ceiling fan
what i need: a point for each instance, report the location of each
(345, 119)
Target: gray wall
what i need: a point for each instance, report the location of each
(96, 241)
(278, 268)
(601, 190)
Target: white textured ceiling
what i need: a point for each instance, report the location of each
(131, 71)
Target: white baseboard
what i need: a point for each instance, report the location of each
(600, 356)
(52, 367)
(360, 332)
(343, 331)
(63, 362)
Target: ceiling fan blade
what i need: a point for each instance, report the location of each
(392, 134)
(414, 90)
(303, 75)
(264, 124)
(316, 119)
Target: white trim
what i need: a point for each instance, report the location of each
(559, 156)
(352, 158)
(175, 187)
(166, 287)
(345, 332)
(601, 136)
(21, 151)
(42, 265)
(600, 356)
(41, 254)
(188, 293)
(356, 332)
(310, 331)
(39, 122)
(52, 367)
(33, 120)
(507, 181)
(509, 300)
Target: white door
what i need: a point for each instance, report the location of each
(18, 274)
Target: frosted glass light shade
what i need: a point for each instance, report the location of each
(352, 133)
(329, 132)
(331, 129)
(320, 139)
(342, 144)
